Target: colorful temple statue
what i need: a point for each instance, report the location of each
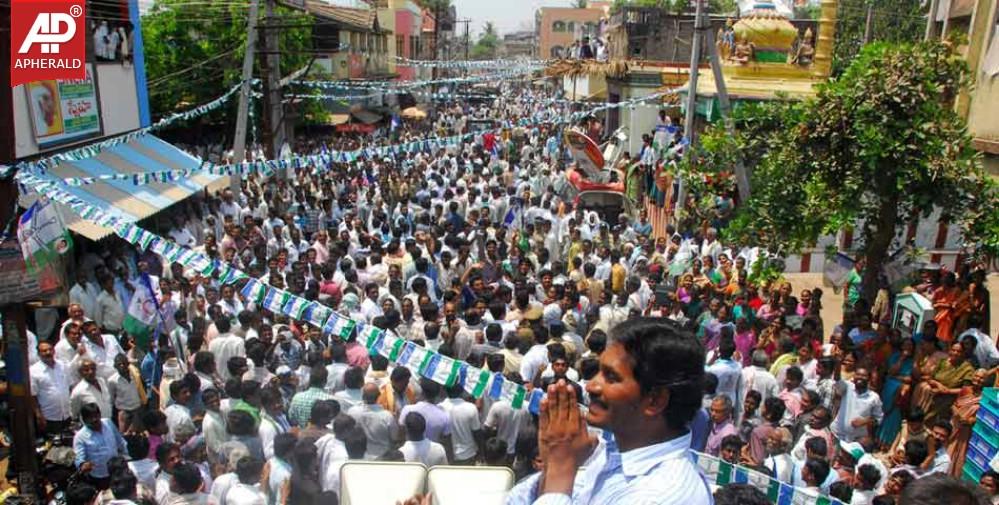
(765, 34)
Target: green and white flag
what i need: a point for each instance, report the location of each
(143, 313)
(42, 235)
(340, 327)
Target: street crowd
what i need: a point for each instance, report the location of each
(472, 251)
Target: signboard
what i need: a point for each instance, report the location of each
(64, 110)
(355, 127)
(585, 153)
(16, 285)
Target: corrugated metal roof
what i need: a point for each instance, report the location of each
(361, 19)
(124, 199)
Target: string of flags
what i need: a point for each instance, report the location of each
(91, 150)
(499, 63)
(316, 161)
(421, 360)
(720, 473)
(495, 77)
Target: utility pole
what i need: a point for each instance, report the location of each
(741, 176)
(239, 142)
(931, 20)
(21, 410)
(688, 123)
(868, 22)
(275, 133)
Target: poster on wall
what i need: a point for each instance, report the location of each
(64, 110)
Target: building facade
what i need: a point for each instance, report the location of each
(558, 28)
(978, 20)
(350, 42)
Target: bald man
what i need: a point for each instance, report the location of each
(377, 423)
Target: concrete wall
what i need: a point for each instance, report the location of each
(549, 38)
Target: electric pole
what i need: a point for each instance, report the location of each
(931, 20)
(868, 22)
(741, 176)
(275, 132)
(688, 124)
(21, 410)
(239, 142)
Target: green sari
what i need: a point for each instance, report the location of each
(951, 377)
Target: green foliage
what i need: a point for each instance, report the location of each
(580, 4)
(895, 21)
(485, 48)
(194, 51)
(880, 146)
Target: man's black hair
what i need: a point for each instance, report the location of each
(665, 356)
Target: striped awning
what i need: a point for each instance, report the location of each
(123, 198)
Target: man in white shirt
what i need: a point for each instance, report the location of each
(534, 360)
(728, 372)
(102, 349)
(860, 409)
(505, 422)
(247, 490)
(353, 381)
(126, 392)
(50, 388)
(84, 294)
(91, 389)
(758, 377)
(466, 430)
(417, 448)
(273, 421)
(110, 313)
(225, 346)
(178, 414)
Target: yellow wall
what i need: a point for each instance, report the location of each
(981, 105)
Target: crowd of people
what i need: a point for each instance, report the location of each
(472, 251)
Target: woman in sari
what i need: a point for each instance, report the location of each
(964, 412)
(951, 303)
(945, 383)
(897, 380)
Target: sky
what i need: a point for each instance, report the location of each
(507, 15)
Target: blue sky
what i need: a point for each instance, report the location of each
(507, 15)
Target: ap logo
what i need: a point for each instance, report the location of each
(50, 30)
(46, 43)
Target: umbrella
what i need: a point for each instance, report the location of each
(413, 113)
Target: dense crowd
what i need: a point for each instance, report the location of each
(472, 251)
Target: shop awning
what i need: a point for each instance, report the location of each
(122, 198)
(366, 116)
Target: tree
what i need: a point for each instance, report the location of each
(485, 48)
(896, 21)
(580, 4)
(877, 148)
(194, 51)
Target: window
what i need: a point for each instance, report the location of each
(558, 26)
(400, 46)
(557, 52)
(570, 27)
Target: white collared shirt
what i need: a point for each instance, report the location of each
(424, 451)
(663, 473)
(464, 419)
(50, 385)
(85, 392)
